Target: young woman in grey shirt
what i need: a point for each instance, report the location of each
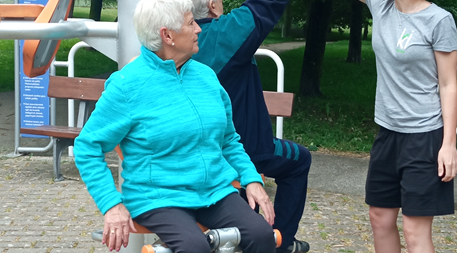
(413, 159)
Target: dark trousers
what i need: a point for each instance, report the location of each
(178, 229)
(290, 168)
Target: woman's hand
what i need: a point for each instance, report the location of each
(255, 193)
(118, 225)
(447, 163)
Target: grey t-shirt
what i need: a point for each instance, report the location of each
(407, 97)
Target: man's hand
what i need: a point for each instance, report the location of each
(256, 194)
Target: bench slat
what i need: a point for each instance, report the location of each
(54, 131)
(75, 88)
(279, 104)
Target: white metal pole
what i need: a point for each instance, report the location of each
(71, 73)
(17, 99)
(128, 44)
(280, 83)
(128, 47)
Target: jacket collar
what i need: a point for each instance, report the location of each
(204, 21)
(156, 62)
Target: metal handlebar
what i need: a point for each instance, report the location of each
(73, 28)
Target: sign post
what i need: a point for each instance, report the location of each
(34, 102)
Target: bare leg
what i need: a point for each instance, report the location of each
(417, 232)
(386, 234)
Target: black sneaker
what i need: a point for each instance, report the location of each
(297, 247)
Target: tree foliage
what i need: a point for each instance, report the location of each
(317, 17)
(341, 12)
(448, 5)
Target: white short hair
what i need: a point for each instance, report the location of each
(151, 15)
(201, 8)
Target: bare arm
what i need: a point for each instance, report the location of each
(362, 1)
(446, 68)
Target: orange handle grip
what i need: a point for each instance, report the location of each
(278, 238)
(147, 249)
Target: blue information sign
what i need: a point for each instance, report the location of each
(34, 98)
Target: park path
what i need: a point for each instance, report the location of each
(285, 46)
(39, 215)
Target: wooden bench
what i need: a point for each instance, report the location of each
(89, 90)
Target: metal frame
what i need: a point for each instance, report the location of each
(280, 83)
(84, 28)
(70, 64)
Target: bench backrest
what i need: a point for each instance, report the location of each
(90, 89)
(279, 104)
(86, 90)
(75, 88)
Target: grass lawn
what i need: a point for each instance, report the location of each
(108, 15)
(7, 65)
(341, 120)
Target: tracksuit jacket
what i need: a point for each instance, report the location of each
(227, 45)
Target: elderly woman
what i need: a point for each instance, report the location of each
(173, 121)
(413, 159)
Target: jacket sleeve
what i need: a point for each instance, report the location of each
(236, 36)
(265, 15)
(233, 150)
(106, 127)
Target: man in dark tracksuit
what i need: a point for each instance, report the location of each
(227, 44)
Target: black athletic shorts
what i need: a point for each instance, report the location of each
(403, 173)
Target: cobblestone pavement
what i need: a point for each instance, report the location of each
(40, 215)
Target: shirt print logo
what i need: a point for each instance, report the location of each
(403, 41)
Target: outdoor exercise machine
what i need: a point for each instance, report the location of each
(44, 26)
(222, 240)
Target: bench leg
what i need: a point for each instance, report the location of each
(59, 145)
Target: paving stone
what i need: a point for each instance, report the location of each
(38, 215)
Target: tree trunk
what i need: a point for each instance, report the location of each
(286, 27)
(366, 30)
(354, 46)
(320, 12)
(96, 10)
(70, 14)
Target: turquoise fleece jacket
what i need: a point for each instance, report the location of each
(175, 131)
